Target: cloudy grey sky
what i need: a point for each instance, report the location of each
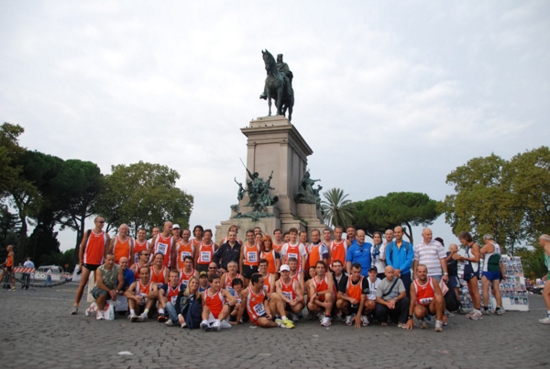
(391, 96)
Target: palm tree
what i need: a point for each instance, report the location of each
(337, 210)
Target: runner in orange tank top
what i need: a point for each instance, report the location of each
(216, 304)
(142, 295)
(159, 273)
(187, 272)
(259, 311)
(198, 232)
(185, 247)
(139, 244)
(205, 253)
(317, 250)
(168, 293)
(122, 245)
(10, 261)
(289, 292)
(426, 298)
(268, 253)
(278, 241)
(249, 258)
(91, 251)
(269, 279)
(352, 297)
(321, 293)
(164, 243)
(338, 247)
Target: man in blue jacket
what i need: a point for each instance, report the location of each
(399, 255)
(359, 252)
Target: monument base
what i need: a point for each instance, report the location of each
(275, 147)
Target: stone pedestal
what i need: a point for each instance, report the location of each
(276, 145)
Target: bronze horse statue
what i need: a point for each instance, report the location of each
(277, 87)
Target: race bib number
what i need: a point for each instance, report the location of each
(288, 295)
(293, 256)
(162, 247)
(136, 258)
(426, 301)
(252, 257)
(266, 289)
(184, 254)
(173, 300)
(205, 256)
(259, 309)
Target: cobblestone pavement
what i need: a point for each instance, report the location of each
(38, 332)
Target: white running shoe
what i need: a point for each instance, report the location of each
(205, 326)
(99, 315)
(438, 326)
(169, 323)
(349, 319)
(500, 311)
(143, 317)
(477, 315)
(91, 310)
(325, 322)
(133, 317)
(364, 320)
(216, 325)
(545, 320)
(224, 324)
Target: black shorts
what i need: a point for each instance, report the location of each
(249, 270)
(469, 272)
(9, 269)
(91, 267)
(202, 268)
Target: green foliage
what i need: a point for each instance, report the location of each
(144, 195)
(338, 210)
(533, 262)
(509, 199)
(9, 154)
(406, 209)
(9, 227)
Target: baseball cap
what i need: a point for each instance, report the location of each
(176, 226)
(203, 274)
(373, 268)
(285, 267)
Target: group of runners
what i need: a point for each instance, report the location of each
(275, 282)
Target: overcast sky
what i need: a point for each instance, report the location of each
(391, 96)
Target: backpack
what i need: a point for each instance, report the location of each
(193, 314)
(451, 301)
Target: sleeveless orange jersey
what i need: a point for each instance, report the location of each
(183, 251)
(136, 268)
(164, 246)
(314, 253)
(196, 243)
(160, 277)
(267, 284)
(255, 305)
(184, 278)
(278, 248)
(206, 254)
(95, 248)
(270, 257)
(172, 293)
(143, 290)
(424, 293)
(354, 290)
(321, 286)
(288, 290)
(229, 282)
(121, 249)
(338, 251)
(251, 255)
(214, 303)
(138, 247)
(9, 260)
(293, 251)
